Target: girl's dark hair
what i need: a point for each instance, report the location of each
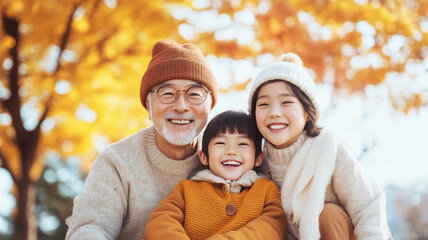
(311, 127)
(232, 122)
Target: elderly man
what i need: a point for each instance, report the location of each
(129, 178)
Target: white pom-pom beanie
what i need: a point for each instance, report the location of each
(291, 70)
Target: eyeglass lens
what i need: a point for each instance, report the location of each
(195, 95)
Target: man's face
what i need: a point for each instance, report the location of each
(179, 122)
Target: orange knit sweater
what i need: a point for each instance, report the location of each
(199, 210)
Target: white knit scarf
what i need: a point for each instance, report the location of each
(305, 183)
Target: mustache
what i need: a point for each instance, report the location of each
(186, 116)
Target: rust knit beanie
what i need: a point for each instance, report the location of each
(171, 60)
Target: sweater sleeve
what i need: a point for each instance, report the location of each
(271, 224)
(99, 211)
(362, 198)
(166, 221)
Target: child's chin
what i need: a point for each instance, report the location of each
(232, 178)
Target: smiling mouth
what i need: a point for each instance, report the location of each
(180, 121)
(277, 126)
(231, 163)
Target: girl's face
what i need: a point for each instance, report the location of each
(280, 116)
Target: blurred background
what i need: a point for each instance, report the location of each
(70, 73)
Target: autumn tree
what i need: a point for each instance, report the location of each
(66, 65)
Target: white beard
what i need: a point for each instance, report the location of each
(178, 139)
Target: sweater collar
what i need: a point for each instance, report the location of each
(283, 156)
(165, 164)
(246, 180)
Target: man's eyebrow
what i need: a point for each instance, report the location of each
(189, 85)
(164, 84)
(195, 85)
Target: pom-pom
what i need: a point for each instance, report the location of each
(292, 58)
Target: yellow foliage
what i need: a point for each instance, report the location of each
(415, 101)
(274, 26)
(15, 7)
(81, 25)
(408, 102)
(7, 43)
(36, 170)
(236, 86)
(10, 151)
(104, 55)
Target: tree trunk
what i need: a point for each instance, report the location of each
(25, 222)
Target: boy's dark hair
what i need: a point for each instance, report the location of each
(232, 122)
(311, 127)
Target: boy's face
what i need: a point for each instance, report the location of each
(231, 155)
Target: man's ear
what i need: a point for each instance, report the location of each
(259, 159)
(148, 107)
(203, 158)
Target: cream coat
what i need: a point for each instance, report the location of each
(314, 171)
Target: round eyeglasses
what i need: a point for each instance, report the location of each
(193, 95)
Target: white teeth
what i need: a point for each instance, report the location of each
(276, 126)
(231, 163)
(180, 121)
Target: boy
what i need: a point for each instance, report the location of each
(227, 200)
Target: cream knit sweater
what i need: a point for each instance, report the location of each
(126, 183)
(319, 170)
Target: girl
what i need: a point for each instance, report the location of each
(324, 193)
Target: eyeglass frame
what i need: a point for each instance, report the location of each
(182, 90)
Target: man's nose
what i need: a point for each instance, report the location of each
(181, 105)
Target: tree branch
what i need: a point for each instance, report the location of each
(65, 38)
(13, 104)
(95, 7)
(45, 113)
